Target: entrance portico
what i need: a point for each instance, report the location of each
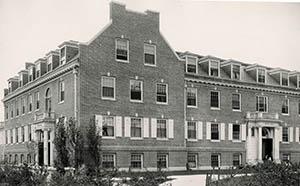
(263, 137)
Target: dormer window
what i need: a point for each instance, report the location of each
(261, 75)
(38, 70)
(49, 64)
(9, 87)
(214, 68)
(284, 79)
(236, 73)
(191, 64)
(30, 76)
(63, 56)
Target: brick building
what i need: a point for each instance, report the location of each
(155, 107)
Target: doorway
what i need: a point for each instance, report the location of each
(267, 149)
(41, 153)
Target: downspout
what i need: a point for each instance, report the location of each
(75, 72)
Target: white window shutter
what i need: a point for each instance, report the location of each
(296, 134)
(222, 131)
(171, 128)
(244, 129)
(291, 134)
(14, 135)
(127, 126)
(20, 134)
(119, 126)
(229, 131)
(153, 127)
(8, 136)
(186, 130)
(146, 127)
(200, 130)
(208, 131)
(98, 123)
(26, 133)
(280, 134)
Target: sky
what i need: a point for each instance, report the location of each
(267, 33)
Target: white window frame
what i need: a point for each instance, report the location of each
(219, 132)
(49, 62)
(240, 133)
(37, 100)
(192, 139)
(108, 98)
(114, 158)
(196, 158)
(61, 87)
(209, 68)
(281, 79)
(219, 159)
(62, 60)
(240, 103)
(232, 71)
(288, 106)
(186, 63)
(142, 91)
(114, 125)
(38, 72)
(167, 95)
(288, 135)
(219, 100)
(257, 75)
(167, 130)
(240, 158)
(192, 106)
(266, 102)
(142, 160)
(167, 160)
(30, 102)
(155, 56)
(120, 60)
(142, 129)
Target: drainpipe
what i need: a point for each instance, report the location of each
(75, 72)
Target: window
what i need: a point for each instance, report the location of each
(6, 111)
(108, 161)
(191, 64)
(236, 160)
(215, 160)
(136, 127)
(236, 101)
(285, 134)
(17, 108)
(28, 158)
(162, 160)
(286, 157)
(192, 97)
(285, 106)
(252, 132)
(191, 129)
(136, 90)
(236, 72)
(261, 76)
(11, 136)
(37, 100)
(161, 93)
(49, 64)
(214, 99)
(108, 126)
(22, 134)
(62, 55)
(150, 54)
(38, 70)
(192, 160)
(22, 158)
(215, 131)
(16, 159)
(17, 134)
(29, 133)
(162, 128)
(23, 105)
(214, 68)
(236, 132)
(12, 110)
(61, 91)
(6, 137)
(122, 49)
(284, 79)
(299, 107)
(108, 87)
(29, 103)
(30, 74)
(136, 161)
(261, 104)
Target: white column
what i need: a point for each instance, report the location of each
(259, 144)
(248, 150)
(45, 147)
(51, 148)
(276, 145)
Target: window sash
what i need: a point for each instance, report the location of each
(214, 68)
(191, 63)
(161, 128)
(214, 99)
(149, 53)
(284, 79)
(236, 102)
(285, 134)
(236, 160)
(122, 49)
(162, 160)
(191, 97)
(136, 127)
(108, 126)
(236, 132)
(261, 103)
(191, 130)
(136, 90)
(215, 131)
(215, 160)
(236, 72)
(261, 75)
(136, 161)
(192, 160)
(108, 87)
(285, 107)
(161, 93)
(108, 160)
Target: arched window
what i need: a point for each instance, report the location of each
(48, 100)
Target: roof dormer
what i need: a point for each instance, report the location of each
(13, 84)
(52, 60)
(280, 75)
(211, 65)
(31, 71)
(294, 78)
(68, 50)
(23, 77)
(232, 68)
(40, 67)
(257, 72)
(191, 64)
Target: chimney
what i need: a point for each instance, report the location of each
(117, 10)
(5, 91)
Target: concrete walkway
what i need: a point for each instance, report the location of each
(186, 180)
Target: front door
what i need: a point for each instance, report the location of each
(267, 149)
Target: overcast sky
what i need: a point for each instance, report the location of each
(252, 32)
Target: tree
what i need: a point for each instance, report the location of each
(94, 144)
(60, 140)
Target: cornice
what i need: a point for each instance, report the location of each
(45, 78)
(241, 84)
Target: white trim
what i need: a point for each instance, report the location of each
(240, 102)
(155, 56)
(167, 93)
(209, 68)
(257, 69)
(142, 91)
(232, 71)
(101, 89)
(219, 100)
(186, 63)
(192, 106)
(288, 105)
